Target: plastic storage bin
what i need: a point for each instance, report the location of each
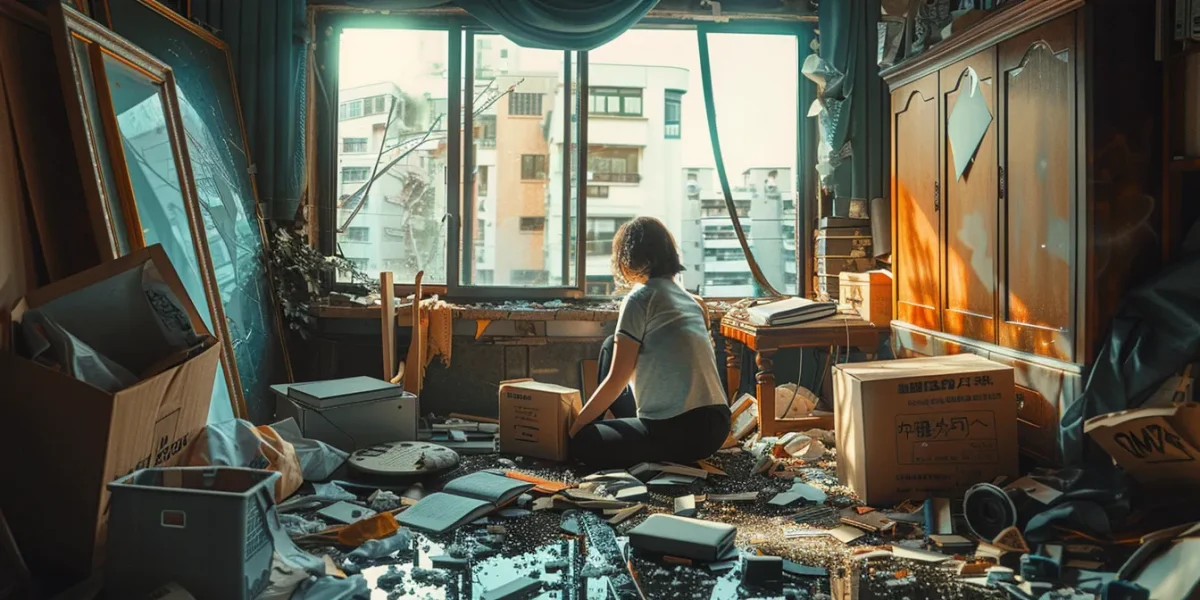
(205, 528)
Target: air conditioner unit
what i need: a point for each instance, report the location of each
(693, 188)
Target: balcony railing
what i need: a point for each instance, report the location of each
(616, 177)
(486, 142)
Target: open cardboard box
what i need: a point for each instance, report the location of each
(1156, 446)
(62, 440)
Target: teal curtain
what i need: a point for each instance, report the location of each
(267, 44)
(559, 24)
(856, 100)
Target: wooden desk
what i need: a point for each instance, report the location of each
(840, 330)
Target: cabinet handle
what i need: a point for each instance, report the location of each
(937, 196)
(1002, 183)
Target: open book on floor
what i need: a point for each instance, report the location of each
(789, 311)
(461, 501)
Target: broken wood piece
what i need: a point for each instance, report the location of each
(711, 468)
(475, 418)
(544, 486)
(625, 513)
(1011, 540)
(738, 497)
(331, 568)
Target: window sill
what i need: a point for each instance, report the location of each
(592, 115)
(585, 311)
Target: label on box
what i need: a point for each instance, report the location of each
(946, 438)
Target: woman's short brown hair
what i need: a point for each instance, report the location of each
(644, 248)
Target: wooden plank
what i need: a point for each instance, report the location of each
(387, 320)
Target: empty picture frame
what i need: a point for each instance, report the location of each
(137, 177)
(220, 161)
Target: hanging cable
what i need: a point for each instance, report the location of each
(711, 111)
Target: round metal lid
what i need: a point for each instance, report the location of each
(404, 458)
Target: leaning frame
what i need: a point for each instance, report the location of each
(274, 321)
(67, 26)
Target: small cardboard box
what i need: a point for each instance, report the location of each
(869, 293)
(63, 440)
(536, 417)
(923, 427)
(1154, 445)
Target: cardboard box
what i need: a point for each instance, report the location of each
(869, 293)
(536, 417)
(1154, 445)
(63, 440)
(923, 427)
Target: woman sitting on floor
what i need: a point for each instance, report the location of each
(675, 409)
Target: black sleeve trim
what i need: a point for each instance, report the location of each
(630, 336)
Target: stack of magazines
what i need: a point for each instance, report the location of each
(786, 311)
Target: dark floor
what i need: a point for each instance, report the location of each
(536, 539)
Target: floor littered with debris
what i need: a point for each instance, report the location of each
(534, 544)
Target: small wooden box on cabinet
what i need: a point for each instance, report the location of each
(869, 293)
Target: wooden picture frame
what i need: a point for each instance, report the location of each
(129, 141)
(223, 170)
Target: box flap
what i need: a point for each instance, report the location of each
(155, 254)
(1153, 444)
(537, 386)
(883, 370)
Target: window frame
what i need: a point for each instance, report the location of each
(461, 28)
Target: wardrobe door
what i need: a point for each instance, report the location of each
(1038, 173)
(969, 196)
(915, 191)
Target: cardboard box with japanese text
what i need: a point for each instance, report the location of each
(64, 440)
(923, 427)
(536, 417)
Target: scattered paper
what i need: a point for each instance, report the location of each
(846, 533)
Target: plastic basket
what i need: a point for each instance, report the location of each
(205, 528)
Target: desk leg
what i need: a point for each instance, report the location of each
(733, 371)
(766, 393)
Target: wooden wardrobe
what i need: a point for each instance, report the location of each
(1025, 257)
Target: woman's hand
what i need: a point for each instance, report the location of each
(625, 353)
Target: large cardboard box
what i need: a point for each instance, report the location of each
(62, 440)
(923, 427)
(1155, 446)
(536, 417)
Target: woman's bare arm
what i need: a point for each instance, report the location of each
(625, 353)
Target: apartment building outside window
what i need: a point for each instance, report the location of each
(533, 166)
(354, 145)
(624, 102)
(673, 115)
(357, 234)
(613, 164)
(600, 233)
(531, 224)
(355, 174)
(525, 104)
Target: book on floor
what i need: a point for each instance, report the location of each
(790, 311)
(683, 537)
(461, 501)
